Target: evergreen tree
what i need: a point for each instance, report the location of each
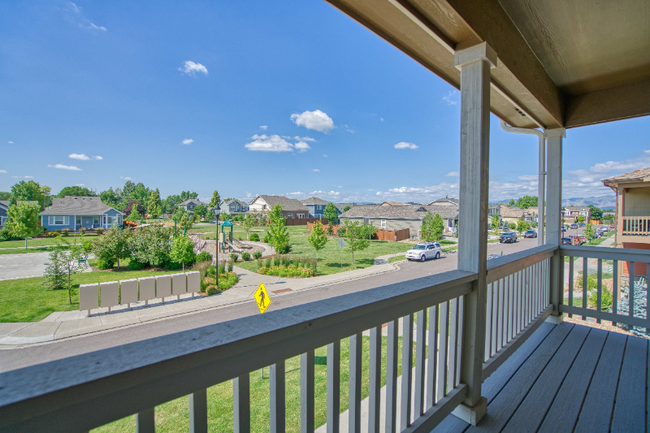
(317, 238)
(23, 220)
(331, 213)
(154, 206)
(432, 227)
(215, 200)
(278, 233)
(185, 223)
(134, 216)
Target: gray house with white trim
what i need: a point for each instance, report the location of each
(74, 212)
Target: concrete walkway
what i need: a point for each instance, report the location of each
(27, 265)
(59, 325)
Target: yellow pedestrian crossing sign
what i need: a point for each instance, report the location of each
(262, 298)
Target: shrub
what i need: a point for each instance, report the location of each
(228, 280)
(267, 238)
(87, 246)
(213, 290)
(171, 265)
(341, 232)
(592, 283)
(230, 266)
(82, 230)
(99, 230)
(257, 254)
(255, 237)
(6, 236)
(204, 257)
(245, 256)
(606, 299)
(234, 257)
(65, 232)
(105, 264)
(222, 267)
(136, 266)
(283, 249)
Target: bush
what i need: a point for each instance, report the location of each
(136, 266)
(257, 254)
(213, 290)
(228, 280)
(341, 232)
(230, 266)
(234, 257)
(65, 232)
(105, 264)
(204, 257)
(267, 238)
(99, 230)
(222, 267)
(82, 230)
(5, 236)
(171, 265)
(606, 299)
(87, 246)
(255, 237)
(245, 256)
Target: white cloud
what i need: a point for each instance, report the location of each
(265, 143)
(10, 142)
(64, 167)
(528, 177)
(302, 146)
(23, 177)
(316, 120)
(98, 158)
(191, 68)
(404, 145)
(304, 138)
(264, 127)
(324, 156)
(348, 129)
(450, 97)
(187, 141)
(77, 16)
(3, 171)
(620, 167)
(79, 156)
(381, 118)
(452, 174)
(126, 178)
(80, 184)
(296, 193)
(316, 170)
(326, 193)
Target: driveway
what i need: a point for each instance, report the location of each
(28, 265)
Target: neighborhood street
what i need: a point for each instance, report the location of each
(13, 358)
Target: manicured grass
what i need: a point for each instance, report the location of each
(32, 242)
(397, 259)
(25, 251)
(173, 416)
(26, 300)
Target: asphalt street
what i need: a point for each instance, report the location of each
(14, 358)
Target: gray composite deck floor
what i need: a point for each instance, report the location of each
(567, 378)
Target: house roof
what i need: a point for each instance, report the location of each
(314, 201)
(400, 212)
(288, 204)
(578, 208)
(341, 206)
(77, 206)
(196, 201)
(392, 203)
(641, 175)
(446, 200)
(241, 203)
(515, 212)
(4, 203)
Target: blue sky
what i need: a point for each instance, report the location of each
(285, 97)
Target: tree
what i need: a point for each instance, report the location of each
(354, 236)
(23, 220)
(134, 203)
(317, 238)
(278, 234)
(134, 215)
(127, 190)
(432, 227)
(200, 211)
(186, 195)
(182, 250)
(512, 226)
(26, 191)
(495, 222)
(152, 245)
(526, 202)
(346, 208)
(609, 218)
(215, 200)
(511, 203)
(185, 222)
(75, 191)
(109, 197)
(46, 190)
(368, 230)
(141, 194)
(249, 222)
(522, 225)
(580, 219)
(5, 195)
(178, 215)
(331, 213)
(154, 206)
(596, 213)
(114, 245)
(589, 232)
(63, 264)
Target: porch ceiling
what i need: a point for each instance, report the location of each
(561, 64)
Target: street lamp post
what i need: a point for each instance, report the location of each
(217, 212)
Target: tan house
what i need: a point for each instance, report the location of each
(571, 213)
(632, 211)
(512, 214)
(291, 208)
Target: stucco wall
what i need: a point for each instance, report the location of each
(637, 202)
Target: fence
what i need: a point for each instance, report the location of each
(636, 226)
(389, 235)
(303, 221)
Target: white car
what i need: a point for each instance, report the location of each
(424, 251)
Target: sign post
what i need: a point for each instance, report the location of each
(341, 244)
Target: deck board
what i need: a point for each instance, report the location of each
(563, 414)
(629, 411)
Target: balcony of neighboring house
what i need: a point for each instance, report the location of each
(485, 347)
(632, 208)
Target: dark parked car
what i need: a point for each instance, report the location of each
(509, 237)
(530, 234)
(567, 241)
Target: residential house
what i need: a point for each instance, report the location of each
(391, 203)
(234, 207)
(632, 211)
(570, 213)
(4, 207)
(74, 212)
(340, 207)
(445, 201)
(512, 214)
(191, 203)
(316, 207)
(291, 208)
(402, 217)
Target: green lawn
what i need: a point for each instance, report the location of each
(25, 251)
(32, 242)
(25, 300)
(173, 416)
(329, 258)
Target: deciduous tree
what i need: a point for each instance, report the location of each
(23, 220)
(495, 222)
(215, 200)
(354, 237)
(200, 211)
(432, 227)
(26, 191)
(154, 207)
(75, 191)
(331, 213)
(114, 245)
(182, 250)
(317, 238)
(278, 233)
(249, 222)
(64, 263)
(152, 245)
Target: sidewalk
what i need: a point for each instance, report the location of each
(68, 324)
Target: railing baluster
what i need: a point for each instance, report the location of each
(241, 404)
(506, 301)
(599, 300)
(391, 378)
(407, 371)
(647, 282)
(374, 396)
(145, 421)
(571, 260)
(585, 275)
(333, 386)
(199, 412)
(420, 359)
(488, 324)
(442, 350)
(615, 288)
(511, 307)
(278, 401)
(307, 392)
(630, 303)
(495, 319)
(459, 338)
(500, 316)
(354, 405)
(432, 371)
(453, 336)
(520, 305)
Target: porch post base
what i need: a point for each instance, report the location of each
(555, 320)
(471, 415)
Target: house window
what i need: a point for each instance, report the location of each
(365, 220)
(58, 220)
(78, 220)
(290, 216)
(301, 215)
(96, 220)
(383, 224)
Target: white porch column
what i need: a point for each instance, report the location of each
(554, 216)
(541, 191)
(474, 64)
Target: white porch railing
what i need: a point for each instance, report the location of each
(636, 226)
